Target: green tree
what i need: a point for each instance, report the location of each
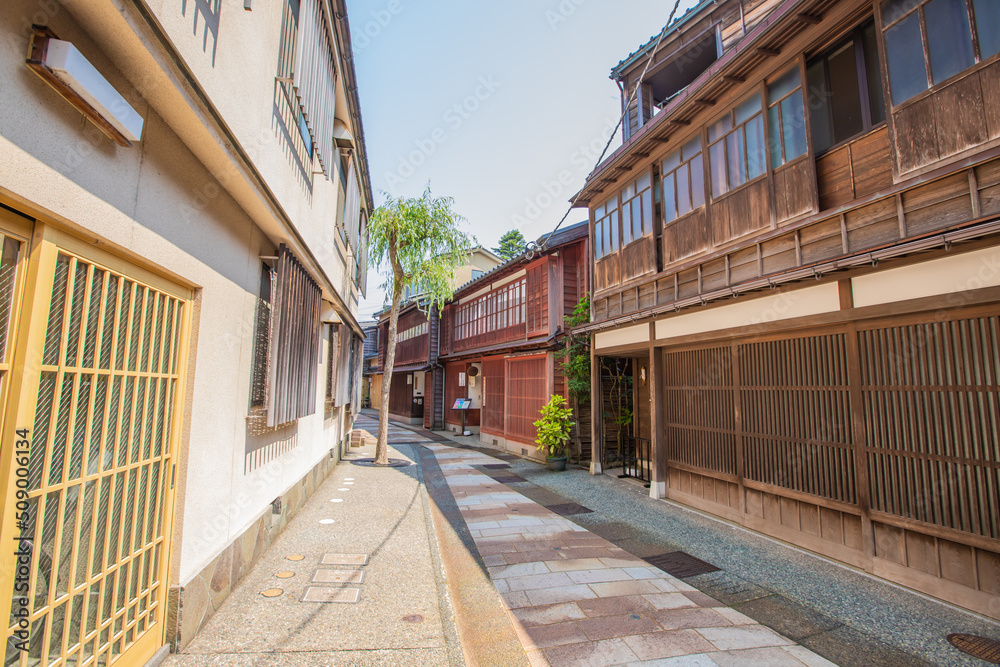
(511, 245)
(419, 243)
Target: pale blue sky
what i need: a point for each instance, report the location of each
(492, 102)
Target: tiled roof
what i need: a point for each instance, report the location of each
(617, 70)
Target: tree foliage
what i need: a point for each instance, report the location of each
(574, 359)
(418, 243)
(511, 245)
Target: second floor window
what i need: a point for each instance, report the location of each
(786, 120)
(637, 209)
(606, 228)
(683, 181)
(845, 90)
(736, 147)
(929, 41)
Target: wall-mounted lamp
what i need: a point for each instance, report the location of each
(642, 374)
(248, 5)
(64, 68)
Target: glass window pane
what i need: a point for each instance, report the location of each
(734, 148)
(894, 9)
(987, 26)
(717, 156)
(626, 223)
(613, 227)
(683, 193)
(793, 126)
(671, 162)
(697, 182)
(747, 109)
(669, 198)
(845, 99)
(628, 191)
(786, 84)
(598, 240)
(643, 182)
(756, 162)
(647, 211)
(819, 106)
(905, 54)
(637, 218)
(719, 130)
(949, 37)
(774, 134)
(691, 148)
(876, 96)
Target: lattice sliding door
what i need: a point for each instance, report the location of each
(99, 467)
(932, 411)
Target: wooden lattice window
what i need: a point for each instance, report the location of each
(527, 391)
(286, 346)
(537, 298)
(493, 394)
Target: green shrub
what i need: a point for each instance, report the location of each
(554, 427)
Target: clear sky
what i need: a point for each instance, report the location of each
(504, 106)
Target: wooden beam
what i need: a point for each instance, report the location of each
(705, 102)
(809, 18)
(733, 79)
(768, 52)
(682, 123)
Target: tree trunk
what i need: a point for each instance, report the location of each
(382, 444)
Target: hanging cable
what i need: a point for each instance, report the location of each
(533, 248)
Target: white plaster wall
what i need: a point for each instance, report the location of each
(784, 305)
(622, 336)
(236, 65)
(947, 275)
(156, 201)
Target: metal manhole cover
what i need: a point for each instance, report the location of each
(569, 509)
(393, 463)
(496, 466)
(508, 479)
(342, 595)
(980, 647)
(680, 564)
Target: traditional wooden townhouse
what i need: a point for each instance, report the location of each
(183, 196)
(796, 250)
(499, 338)
(416, 393)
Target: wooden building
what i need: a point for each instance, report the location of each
(796, 247)
(416, 392)
(499, 334)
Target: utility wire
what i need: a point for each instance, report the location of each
(621, 119)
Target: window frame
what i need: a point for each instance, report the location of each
(724, 140)
(863, 67)
(882, 27)
(683, 163)
(780, 129)
(609, 229)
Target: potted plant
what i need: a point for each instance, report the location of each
(553, 431)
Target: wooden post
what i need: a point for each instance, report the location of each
(657, 447)
(596, 413)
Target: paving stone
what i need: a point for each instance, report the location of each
(591, 654)
(562, 594)
(742, 636)
(608, 627)
(519, 570)
(792, 620)
(555, 613)
(539, 581)
(615, 606)
(670, 600)
(546, 636)
(599, 576)
(756, 657)
(618, 588)
(668, 644)
(576, 564)
(679, 619)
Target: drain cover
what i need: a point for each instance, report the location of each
(508, 479)
(285, 575)
(272, 592)
(980, 647)
(681, 564)
(569, 509)
(393, 463)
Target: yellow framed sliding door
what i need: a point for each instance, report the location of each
(89, 444)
